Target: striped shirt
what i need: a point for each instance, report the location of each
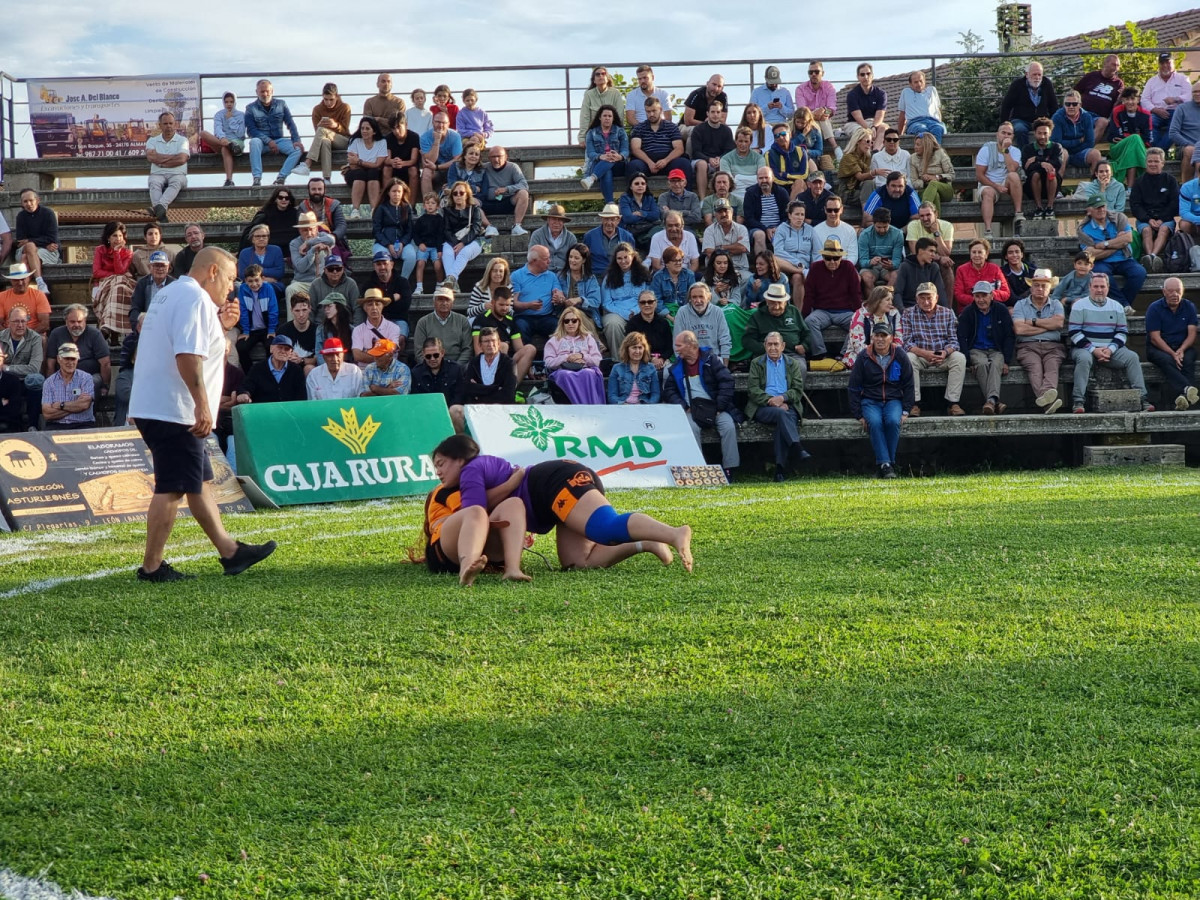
(1098, 324)
(656, 144)
(373, 376)
(55, 391)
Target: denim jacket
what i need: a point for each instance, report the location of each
(621, 379)
(266, 124)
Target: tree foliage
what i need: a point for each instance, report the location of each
(972, 88)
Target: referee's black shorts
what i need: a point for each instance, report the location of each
(180, 458)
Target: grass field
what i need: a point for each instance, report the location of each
(979, 686)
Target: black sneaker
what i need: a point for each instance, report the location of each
(246, 556)
(164, 573)
(886, 471)
(160, 212)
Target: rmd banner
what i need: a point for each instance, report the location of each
(628, 446)
(110, 116)
(96, 476)
(319, 451)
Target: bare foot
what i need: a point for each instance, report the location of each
(467, 576)
(518, 575)
(683, 543)
(661, 550)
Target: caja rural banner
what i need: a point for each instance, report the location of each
(320, 451)
(627, 446)
(62, 479)
(110, 116)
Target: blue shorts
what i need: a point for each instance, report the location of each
(1167, 223)
(1079, 157)
(429, 255)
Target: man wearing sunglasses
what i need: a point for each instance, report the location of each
(435, 374)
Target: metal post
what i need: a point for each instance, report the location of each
(933, 70)
(567, 78)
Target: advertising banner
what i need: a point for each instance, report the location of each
(626, 446)
(110, 116)
(62, 479)
(320, 451)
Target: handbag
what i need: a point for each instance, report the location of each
(703, 409)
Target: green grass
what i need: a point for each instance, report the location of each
(980, 686)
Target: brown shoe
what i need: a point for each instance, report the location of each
(915, 412)
(988, 409)
(1000, 408)
(955, 410)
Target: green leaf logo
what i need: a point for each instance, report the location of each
(534, 427)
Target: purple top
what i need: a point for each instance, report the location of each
(485, 472)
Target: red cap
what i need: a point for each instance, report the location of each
(332, 345)
(676, 173)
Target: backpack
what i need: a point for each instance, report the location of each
(1177, 254)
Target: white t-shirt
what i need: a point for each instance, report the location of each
(844, 232)
(182, 318)
(992, 159)
(635, 101)
(322, 386)
(378, 151)
(661, 242)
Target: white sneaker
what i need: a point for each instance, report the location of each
(517, 231)
(301, 170)
(354, 213)
(587, 181)
(42, 286)
(1192, 395)
(491, 231)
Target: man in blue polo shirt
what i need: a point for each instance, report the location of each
(1106, 236)
(533, 286)
(603, 239)
(1171, 342)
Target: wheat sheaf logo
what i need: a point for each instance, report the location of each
(350, 432)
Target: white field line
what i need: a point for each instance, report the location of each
(18, 887)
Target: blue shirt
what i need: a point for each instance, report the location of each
(983, 337)
(776, 376)
(1172, 326)
(451, 147)
(763, 96)
(527, 287)
(1107, 233)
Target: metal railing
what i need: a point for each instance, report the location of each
(532, 105)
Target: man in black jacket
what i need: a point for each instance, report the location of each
(435, 374)
(1154, 202)
(700, 383)
(275, 379)
(490, 377)
(1029, 97)
(985, 334)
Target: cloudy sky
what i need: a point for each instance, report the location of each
(119, 38)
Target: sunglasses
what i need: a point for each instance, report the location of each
(833, 209)
(814, 71)
(1070, 103)
(333, 268)
(570, 321)
(432, 356)
(648, 303)
(891, 140)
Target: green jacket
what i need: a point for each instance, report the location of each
(790, 326)
(757, 387)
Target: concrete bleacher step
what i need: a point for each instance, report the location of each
(1134, 455)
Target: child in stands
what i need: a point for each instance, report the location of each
(474, 125)
(429, 232)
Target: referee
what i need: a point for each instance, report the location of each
(177, 382)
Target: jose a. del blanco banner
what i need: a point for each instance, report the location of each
(319, 451)
(110, 116)
(627, 446)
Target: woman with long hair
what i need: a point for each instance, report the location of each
(634, 379)
(572, 357)
(392, 226)
(279, 214)
(464, 227)
(577, 284)
(602, 90)
(331, 130)
(752, 118)
(766, 273)
(876, 308)
(623, 282)
(931, 171)
(606, 147)
(640, 215)
(855, 181)
(807, 134)
(365, 158)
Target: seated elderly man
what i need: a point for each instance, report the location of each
(700, 383)
(1171, 342)
(1161, 94)
(167, 152)
(68, 395)
(36, 234)
(555, 236)
(1107, 237)
(505, 190)
(309, 249)
(92, 354)
(276, 379)
(678, 198)
(1185, 132)
(21, 296)
(656, 146)
(726, 234)
(706, 321)
(931, 342)
(451, 328)
(1030, 96)
(604, 239)
(985, 331)
(1038, 321)
(24, 351)
(335, 380)
(387, 376)
(832, 293)
(674, 235)
(776, 390)
(1098, 331)
(490, 377)
(997, 165)
(149, 285)
(435, 374)
(533, 288)
(777, 315)
(1154, 202)
(373, 329)
(920, 108)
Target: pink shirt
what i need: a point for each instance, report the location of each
(816, 98)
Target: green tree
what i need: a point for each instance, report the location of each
(1136, 68)
(972, 88)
